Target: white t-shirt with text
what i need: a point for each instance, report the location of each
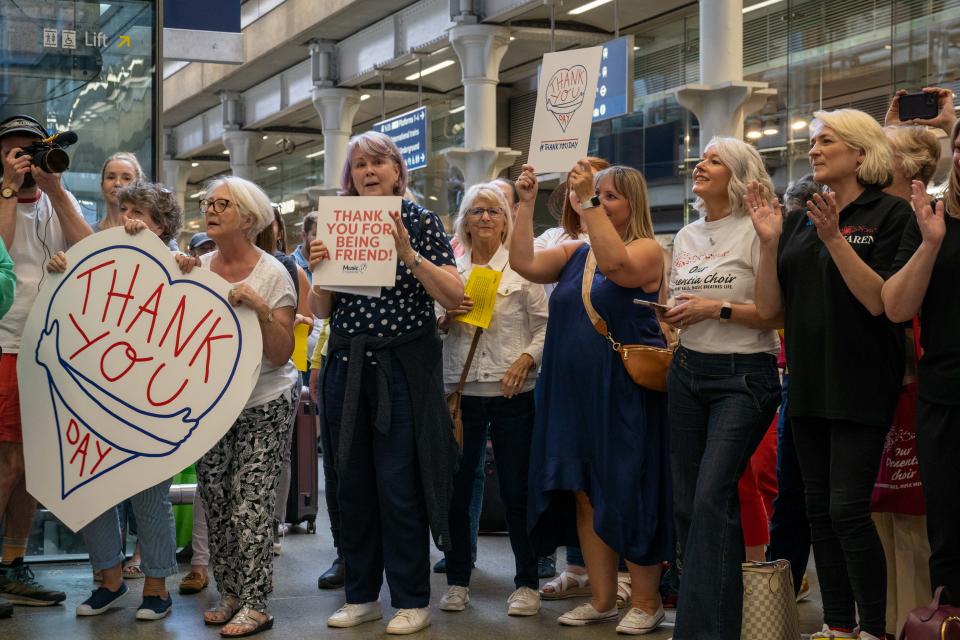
(719, 260)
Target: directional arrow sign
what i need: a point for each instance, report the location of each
(124, 41)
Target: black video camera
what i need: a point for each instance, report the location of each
(49, 154)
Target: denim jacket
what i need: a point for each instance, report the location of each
(519, 325)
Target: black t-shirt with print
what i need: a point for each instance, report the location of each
(845, 364)
(939, 372)
(406, 306)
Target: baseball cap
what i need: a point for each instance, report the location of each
(198, 239)
(22, 124)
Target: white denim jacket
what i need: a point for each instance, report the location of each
(519, 325)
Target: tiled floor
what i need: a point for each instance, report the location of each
(301, 609)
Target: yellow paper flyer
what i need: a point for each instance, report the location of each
(482, 288)
(300, 333)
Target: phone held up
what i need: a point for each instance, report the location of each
(922, 106)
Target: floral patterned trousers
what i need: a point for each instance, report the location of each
(238, 480)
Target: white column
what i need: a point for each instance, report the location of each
(243, 147)
(175, 175)
(480, 49)
(721, 99)
(336, 107)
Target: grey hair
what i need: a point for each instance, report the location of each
(746, 166)
(162, 202)
(488, 191)
(250, 201)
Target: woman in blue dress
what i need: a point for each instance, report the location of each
(600, 440)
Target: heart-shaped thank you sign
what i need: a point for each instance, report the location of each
(565, 92)
(129, 370)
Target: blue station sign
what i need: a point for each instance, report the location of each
(615, 84)
(409, 132)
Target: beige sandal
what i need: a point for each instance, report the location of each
(567, 585)
(624, 590)
(221, 614)
(249, 624)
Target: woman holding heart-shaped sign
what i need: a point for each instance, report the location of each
(238, 476)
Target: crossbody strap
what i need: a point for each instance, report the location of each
(586, 285)
(466, 365)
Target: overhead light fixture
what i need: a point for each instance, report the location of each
(226, 152)
(434, 198)
(272, 168)
(512, 38)
(753, 131)
(770, 128)
(458, 109)
(365, 96)
(798, 124)
(587, 7)
(315, 154)
(194, 164)
(431, 69)
(761, 5)
(195, 195)
(265, 137)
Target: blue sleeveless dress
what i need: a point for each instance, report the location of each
(596, 430)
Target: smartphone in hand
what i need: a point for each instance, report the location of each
(922, 106)
(653, 305)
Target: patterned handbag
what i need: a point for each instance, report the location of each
(769, 604)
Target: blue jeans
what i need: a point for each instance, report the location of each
(383, 512)
(789, 529)
(157, 536)
(720, 406)
(510, 421)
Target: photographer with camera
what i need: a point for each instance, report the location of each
(38, 217)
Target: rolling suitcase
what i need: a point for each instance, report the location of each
(303, 499)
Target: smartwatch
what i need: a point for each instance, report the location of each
(591, 203)
(7, 193)
(726, 310)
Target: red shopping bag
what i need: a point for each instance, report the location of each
(898, 488)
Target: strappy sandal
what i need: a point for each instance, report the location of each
(624, 590)
(567, 585)
(132, 571)
(249, 624)
(223, 612)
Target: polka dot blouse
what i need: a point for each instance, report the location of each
(406, 306)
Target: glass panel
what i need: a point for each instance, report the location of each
(86, 67)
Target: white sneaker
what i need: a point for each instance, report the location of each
(455, 599)
(638, 622)
(523, 602)
(409, 621)
(585, 614)
(827, 632)
(350, 615)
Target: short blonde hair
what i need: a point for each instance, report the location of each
(249, 199)
(487, 191)
(918, 150)
(860, 131)
(123, 156)
(951, 198)
(746, 166)
(631, 184)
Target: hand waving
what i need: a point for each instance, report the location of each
(933, 226)
(767, 215)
